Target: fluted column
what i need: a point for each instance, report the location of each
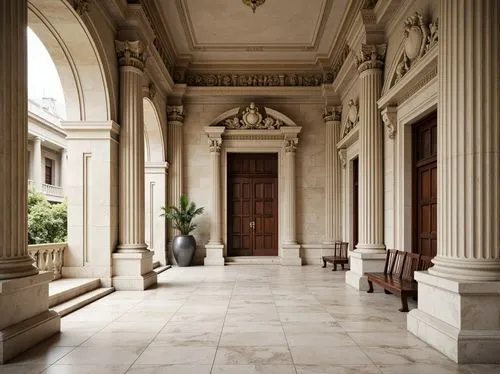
(14, 259)
(131, 58)
(371, 173)
(214, 147)
(333, 186)
(37, 162)
(468, 215)
(175, 120)
(290, 147)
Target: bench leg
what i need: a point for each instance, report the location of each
(370, 285)
(324, 263)
(334, 267)
(342, 266)
(404, 303)
(388, 292)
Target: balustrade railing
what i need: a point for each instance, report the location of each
(52, 190)
(48, 257)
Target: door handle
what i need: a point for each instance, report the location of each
(252, 225)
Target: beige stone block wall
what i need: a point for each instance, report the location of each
(310, 165)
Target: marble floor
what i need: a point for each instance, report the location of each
(239, 319)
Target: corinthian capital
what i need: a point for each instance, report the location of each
(131, 53)
(175, 113)
(371, 56)
(214, 144)
(332, 114)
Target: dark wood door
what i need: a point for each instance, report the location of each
(252, 205)
(425, 186)
(355, 202)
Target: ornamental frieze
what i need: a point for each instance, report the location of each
(253, 80)
(250, 118)
(418, 40)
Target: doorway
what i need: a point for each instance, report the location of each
(425, 186)
(252, 201)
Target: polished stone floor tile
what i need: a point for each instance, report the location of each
(253, 369)
(170, 369)
(87, 369)
(192, 355)
(98, 356)
(338, 369)
(253, 355)
(324, 355)
(252, 339)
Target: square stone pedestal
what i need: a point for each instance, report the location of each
(133, 271)
(461, 319)
(214, 255)
(290, 255)
(25, 318)
(361, 263)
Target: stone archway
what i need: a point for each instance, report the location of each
(155, 189)
(253, 129)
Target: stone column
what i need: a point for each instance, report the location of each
(64, 169)
(24, 319)
(133, 265)
(290, 250)
(37, 163)
(459, 298)
(370, 251)
(175, 150)
(333, 180)
(215, 248)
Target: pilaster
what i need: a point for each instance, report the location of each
(371, 248)
(459, 298)
(25, 318)
(37, 163)
(132, 262)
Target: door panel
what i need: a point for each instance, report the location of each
(252, 205)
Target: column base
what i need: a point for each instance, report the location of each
(133, 271)
(214, 255)
(361, 263)
(458, 318)
(290, 255)
(25, 319)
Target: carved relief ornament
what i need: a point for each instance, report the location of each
(371, 56)
(343, 157)
(151, 90)
(389, 116)
(175, 113)
(253, 80)
(290, 145)
(214, 144)
(131, 53)
(332, 114)
(352, 117)
(250, 118)
(81, 6)
(418, 40)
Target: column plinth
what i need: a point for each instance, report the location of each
(370, 250)
(132, 248)
(25, 318)
(459, 298)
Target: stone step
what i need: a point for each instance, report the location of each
(82, 300)
(253, 260)
(65, 289)
(161, 268)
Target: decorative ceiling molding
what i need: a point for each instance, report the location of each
(195, 45)
(253, 80)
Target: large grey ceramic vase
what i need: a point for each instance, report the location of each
(183, 247)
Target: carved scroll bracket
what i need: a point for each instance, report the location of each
(389, 116)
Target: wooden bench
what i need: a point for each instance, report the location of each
(398, 275)
(339, 255)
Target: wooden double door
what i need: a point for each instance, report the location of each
(425, 186)
(252, 202)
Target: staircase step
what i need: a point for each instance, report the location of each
(62, 290)
(82, 300)
(161, 269)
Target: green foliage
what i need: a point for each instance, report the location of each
(182, 216)
(47, 223)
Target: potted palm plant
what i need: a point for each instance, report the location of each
(183, 245)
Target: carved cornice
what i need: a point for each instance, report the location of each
(418, 40)
(290, 144)
(214, 144)
(332, 114)
(250, 118)
(389, 116)
(252, 80)
(352, 118)
(81, 6)
(339, 62)
(175, 113)
(371, 56)
(131, 53)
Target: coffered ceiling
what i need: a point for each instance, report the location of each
(216, 33)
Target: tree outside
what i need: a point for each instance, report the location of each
(47, 223)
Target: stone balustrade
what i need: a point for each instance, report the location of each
(49, 189)
(48, 257)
